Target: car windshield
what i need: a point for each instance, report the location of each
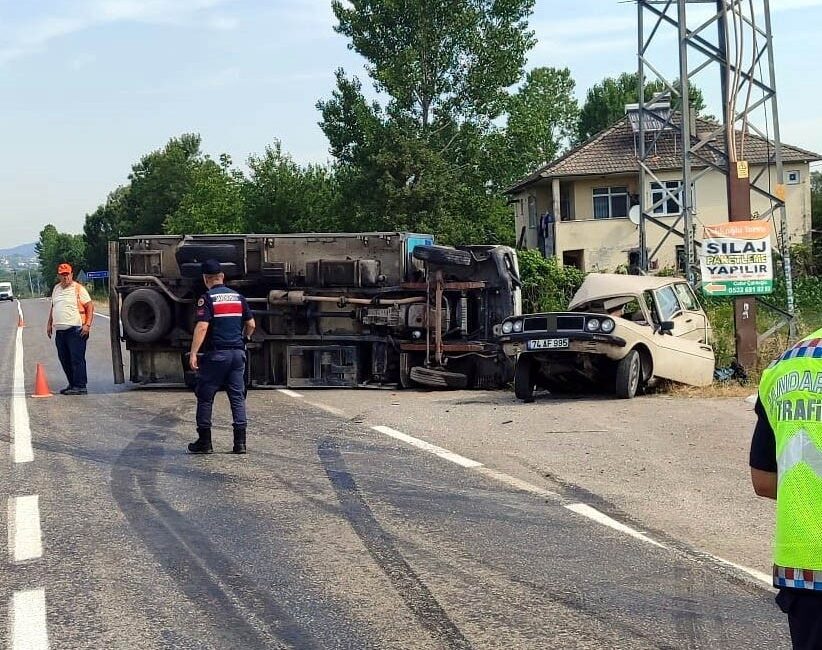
(668, 304)
(5, 286)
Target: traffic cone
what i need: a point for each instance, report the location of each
(41, 384)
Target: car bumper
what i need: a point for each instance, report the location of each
(608, 345)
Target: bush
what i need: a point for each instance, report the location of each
(546, 286)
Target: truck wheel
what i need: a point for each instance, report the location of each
(405, 370)
(146, 315)
(436, 378)
(443, 255)
(628, 375)
(524, 383)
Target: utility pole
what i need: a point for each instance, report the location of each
(734, 40)
(739, 197)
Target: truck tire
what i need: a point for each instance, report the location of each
(443, 255)
(436, 378)
(628, 375)
(146, 315)
(524, 383)
(405, 371)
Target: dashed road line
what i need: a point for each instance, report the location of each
(290, 393)
(516, 483)
(102, 315)
(582, 509)
(600, 517)
(427, 446)
(761, 576)
(25, 537)
(28, 620)
(21, 451)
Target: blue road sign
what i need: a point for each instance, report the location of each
(96, 275)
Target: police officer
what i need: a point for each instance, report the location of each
(786, 465)
(223, 319)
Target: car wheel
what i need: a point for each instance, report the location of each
(628, 375)
(524, 383)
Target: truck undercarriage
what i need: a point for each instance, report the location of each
(332, 310)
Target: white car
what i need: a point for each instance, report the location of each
(6, 292)
(619, 332)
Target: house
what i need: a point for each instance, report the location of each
(587, 194)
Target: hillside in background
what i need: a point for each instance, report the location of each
(23, 250)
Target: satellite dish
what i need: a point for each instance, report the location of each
(633, 214)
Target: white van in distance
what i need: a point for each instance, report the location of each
(6, 292)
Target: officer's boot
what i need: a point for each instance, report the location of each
(239, 440)
(203, 443)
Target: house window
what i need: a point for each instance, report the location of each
(667, 204)
(575, 258)
(532, 212)
(610, 202)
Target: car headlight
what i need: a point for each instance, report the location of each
(592, 325)
(507, 327)
(517, 325)
(607, 326)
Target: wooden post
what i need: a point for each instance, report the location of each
(739, 209)
(114, 312)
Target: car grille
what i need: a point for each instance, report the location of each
(570, 323)
(535, 324)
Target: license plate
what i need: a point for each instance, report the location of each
(548, 344)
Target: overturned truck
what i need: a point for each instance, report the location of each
(332, 310)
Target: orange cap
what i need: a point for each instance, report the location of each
(63, 268)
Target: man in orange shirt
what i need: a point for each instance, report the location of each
(70, 318)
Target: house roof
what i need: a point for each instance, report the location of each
(613, 151)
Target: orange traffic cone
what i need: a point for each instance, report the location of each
(41, 384)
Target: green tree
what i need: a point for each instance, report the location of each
(103, 225)
(54, 248)
(542, 119)
(440, 58)
(421, 162)
(605, 102)
(281, 196)
(213, 202)
(159, 182)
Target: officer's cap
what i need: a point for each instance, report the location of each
(211, 267)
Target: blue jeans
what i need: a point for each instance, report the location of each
(221, 369)
(71, 350)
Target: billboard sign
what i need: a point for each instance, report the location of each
(736, 259)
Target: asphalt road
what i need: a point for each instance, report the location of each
(329, 534)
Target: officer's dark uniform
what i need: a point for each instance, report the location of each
(223, 361)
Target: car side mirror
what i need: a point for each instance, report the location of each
(666, 327)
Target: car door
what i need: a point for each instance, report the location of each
(694, 323)
(676, 356)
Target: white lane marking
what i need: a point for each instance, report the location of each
(514, 482)
(290, 393)
(427, 446)
(102, 315)
(20, 311)
(25, 538)
(592, 513)
(28, 620)
(21, 450)
(759, 575)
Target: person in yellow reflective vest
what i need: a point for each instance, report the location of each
(786, 465)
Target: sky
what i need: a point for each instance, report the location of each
(89, 86)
